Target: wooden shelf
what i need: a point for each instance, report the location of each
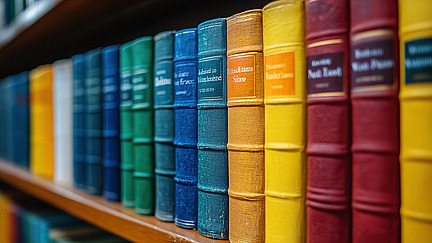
(110, 216)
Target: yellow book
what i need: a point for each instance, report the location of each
(4, 219)
(285, 121)
(416, 120)
(41, 121)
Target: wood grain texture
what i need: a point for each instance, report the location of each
(246, 127)
(111, 216)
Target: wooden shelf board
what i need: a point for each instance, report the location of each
(111, 216)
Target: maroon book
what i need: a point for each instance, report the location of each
(328, 149)
(375, 121)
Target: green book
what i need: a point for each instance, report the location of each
(126, 127)
(142, 115)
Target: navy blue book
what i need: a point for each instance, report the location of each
(164, 125)
(212, 130)
(94, 120)
(3, 141)
(186, 133)
(111, 123)
(79, 166)
(20, 118)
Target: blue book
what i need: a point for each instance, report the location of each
(2, 121)
(186, 133)
(164, 125)
(212, 130)
(79, 167)
(20, 118)
(93, 131)
(111, 123)
(8, 96)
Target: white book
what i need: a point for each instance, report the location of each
(63, 115)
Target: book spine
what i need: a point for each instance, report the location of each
(8, 96)
(212, 129)
(20, 117)
(126, 127)
(94, 120)
(415, 33)
(41, 122)
(62, 94)
(186, 133)
(79, 117)
(245, 91)
(375, 121)
(111, 123)
(142, 116)
(285, 121)
(2, 122)
(164, 125)
(329, 165)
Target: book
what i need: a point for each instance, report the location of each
(111, 123)
(375, 121)
(186, 131)
(63, 116)
(78, 120)
(285, 120)
(329, 166)
(20, 118)
(164, 125)
(7, 118)
(415, 35)
(212, 129)
(94, 122)
(245, 91)
(126, 127)
(41, 121)
(142, 115)
(2, 121)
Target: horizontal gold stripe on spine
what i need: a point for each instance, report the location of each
(326, 42)
(247, 196)
(245, 148)
(283, 195)
(327, 94)
(283, 100)
(284, 146)
(373, 33)
(374, 88)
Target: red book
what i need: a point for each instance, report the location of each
(329, 170)
(375, 121)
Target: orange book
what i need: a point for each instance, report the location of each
(245, 89)
(41, 121)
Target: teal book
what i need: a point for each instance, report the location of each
(142, 115)
(164, 125)
(126, 127)
(94, 122)
(212, 129)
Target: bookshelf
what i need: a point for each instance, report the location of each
(55, 29)
(110, 216)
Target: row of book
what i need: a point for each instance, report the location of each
(279, 124)
(25, 220)
(11, 9)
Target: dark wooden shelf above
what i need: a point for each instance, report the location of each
(110, 216)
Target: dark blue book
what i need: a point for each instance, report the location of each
(164, 125)
(111, 123)
(20, 118)
(94, 120)
(79, 104)
(212, 130)
(186, 133)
